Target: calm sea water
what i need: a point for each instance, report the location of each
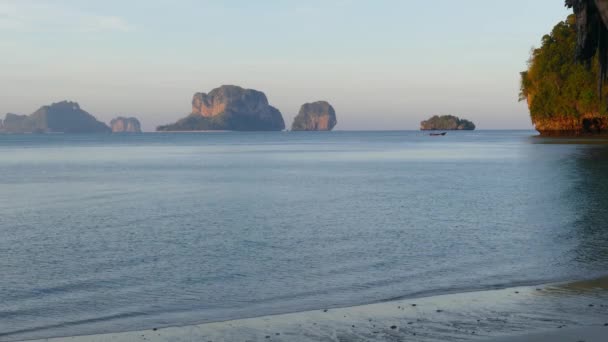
(106, 233)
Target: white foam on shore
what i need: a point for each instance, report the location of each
(485, 315)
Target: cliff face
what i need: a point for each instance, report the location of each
(585, 125)
(446, 123)
(65, 117)
(230, 108)
(316, 116)
(125, 125)
(562, 95)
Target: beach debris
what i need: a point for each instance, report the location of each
(393, 327)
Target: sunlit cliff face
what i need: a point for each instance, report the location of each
(592, 32)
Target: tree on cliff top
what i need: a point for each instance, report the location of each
(555, 85)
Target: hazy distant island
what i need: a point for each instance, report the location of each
(316, 116)
(60, 117)
(230, 108)
(563, 95)
(446, 123)
(125, 125)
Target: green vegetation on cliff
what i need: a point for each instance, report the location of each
(562, 94)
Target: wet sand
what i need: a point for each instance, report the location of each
(563, 312)
(586, 334)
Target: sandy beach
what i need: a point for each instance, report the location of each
(561, 312)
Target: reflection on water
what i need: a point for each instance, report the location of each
(590, 198)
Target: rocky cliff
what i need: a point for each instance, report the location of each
(316, 116)
(65, 117)
(446, 123)
(562, 95)
(125, 125)
(230, 108)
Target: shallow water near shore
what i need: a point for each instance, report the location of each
(107, 233)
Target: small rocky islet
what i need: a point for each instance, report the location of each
(125, 125)
(446, 123)
(315, 116)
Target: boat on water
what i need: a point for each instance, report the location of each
(438, 134)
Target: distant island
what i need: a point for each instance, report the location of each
(446, 123)
(125, 125)
(316, 116)
(562, 95)
(230, 108)
(60, 117)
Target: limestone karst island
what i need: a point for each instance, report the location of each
(60, 117)
(316, 116)
(229, 108)
(65, 117)
(125, 125)
(446, 123)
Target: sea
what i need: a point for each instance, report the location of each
(121, 232)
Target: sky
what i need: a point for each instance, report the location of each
(382, 64)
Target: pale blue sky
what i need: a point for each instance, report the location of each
(383, 64)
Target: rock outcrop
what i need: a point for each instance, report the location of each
(446, 123)
(563, 95)
(230, 108)
(586, 125)
(316, 116)
(61, 117)
(125, 125)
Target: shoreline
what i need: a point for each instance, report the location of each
(550, 312)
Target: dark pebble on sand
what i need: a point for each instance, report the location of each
(591, 305)
(410, 323)
(439, 310)
(517, 292)
(413, 304)
(353, 325)
(393, 327)
(267, 336)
